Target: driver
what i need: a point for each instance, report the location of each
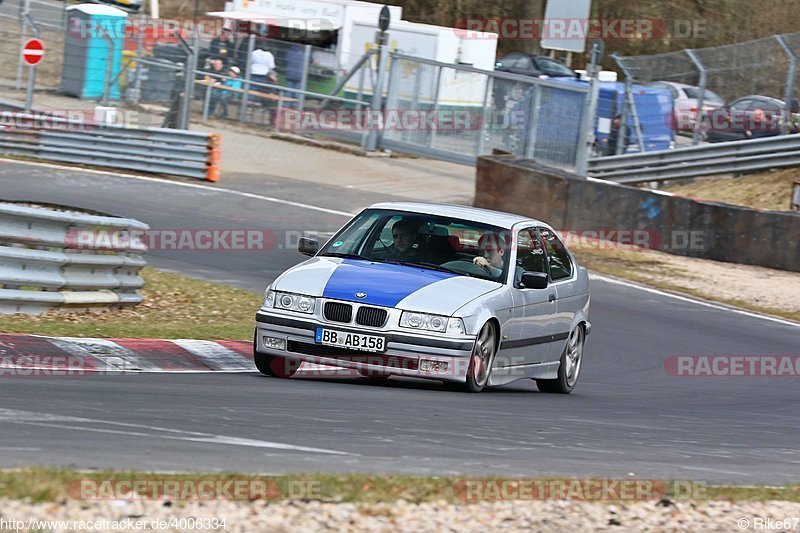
(404, 239)
(492, 254)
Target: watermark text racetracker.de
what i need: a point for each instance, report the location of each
(244, 239)
(783, 366)
(480, 490)
(193, 489)
(178, 239)
(607, 29)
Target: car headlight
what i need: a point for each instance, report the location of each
(294, 302)
(428, 322)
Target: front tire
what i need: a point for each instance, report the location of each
(480, 364)
(570, 365)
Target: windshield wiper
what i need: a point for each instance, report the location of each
(426, 264)
(346, 256)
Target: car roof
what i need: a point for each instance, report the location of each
(761, 98)
(676, 84)
(475, 214)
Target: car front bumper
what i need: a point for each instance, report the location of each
(407, 353)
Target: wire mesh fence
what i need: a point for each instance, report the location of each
(450, 111)
(764, 67)
(14, 74)
(467, 112)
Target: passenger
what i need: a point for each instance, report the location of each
(492, 254)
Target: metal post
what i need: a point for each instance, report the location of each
(435, 110)
(533, 121)
(622, 130)
(23, 17)
(137, 87)
(207, 99)
(487, 114)
(278, 112)
(304, 79)
(188, 84)
(789, 93)
(31, 69)
(251, 43)
(418, 71)
(109, 64)
(360, 94)
(700, 114)
(586, 135)
(377, 95)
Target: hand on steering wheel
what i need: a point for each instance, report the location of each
(481, 262)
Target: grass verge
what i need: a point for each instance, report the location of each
(765, 190)
(668, 272)
(49, 485)
(175, 307)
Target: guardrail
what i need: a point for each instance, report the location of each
(704, 160)
(46, 262)
(154, 150)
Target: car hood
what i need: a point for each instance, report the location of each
(383, 284)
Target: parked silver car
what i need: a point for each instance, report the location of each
(685, 100)
(469, 296)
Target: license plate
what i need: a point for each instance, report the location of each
(352, 341)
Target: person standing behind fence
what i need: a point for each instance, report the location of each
(233, 83)
(295, 59)
(217, 67)
(262, 67)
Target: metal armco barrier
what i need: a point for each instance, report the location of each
(51, 258)
(704, 160)
(153, 150)
(672, 224)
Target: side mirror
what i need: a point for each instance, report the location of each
(534, 280)
(308, 246)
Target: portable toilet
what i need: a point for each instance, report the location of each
(95, 36)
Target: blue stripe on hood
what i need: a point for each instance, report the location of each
(384, 283)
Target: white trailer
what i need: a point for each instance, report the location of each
(446, 45)
(356, 24)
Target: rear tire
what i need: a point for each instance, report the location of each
(570, 365)
(274, 365)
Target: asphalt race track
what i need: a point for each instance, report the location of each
(627, 416)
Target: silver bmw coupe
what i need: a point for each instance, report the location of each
(468, 296)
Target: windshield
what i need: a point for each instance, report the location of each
(708, 97)
(554, 68)
(427, 241)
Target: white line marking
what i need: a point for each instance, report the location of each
(694, 301)
(49, 420)
(190, 185)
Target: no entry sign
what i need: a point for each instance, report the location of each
(33, 51)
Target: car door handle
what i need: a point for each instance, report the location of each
(551, 298)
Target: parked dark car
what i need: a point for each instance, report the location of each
(749, 117)
(525, 65)
(531, 65)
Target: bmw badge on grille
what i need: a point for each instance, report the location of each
(361, 295)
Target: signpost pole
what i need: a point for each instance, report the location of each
(377, 91)
(36, 46)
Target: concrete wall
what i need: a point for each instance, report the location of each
(672, 224)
